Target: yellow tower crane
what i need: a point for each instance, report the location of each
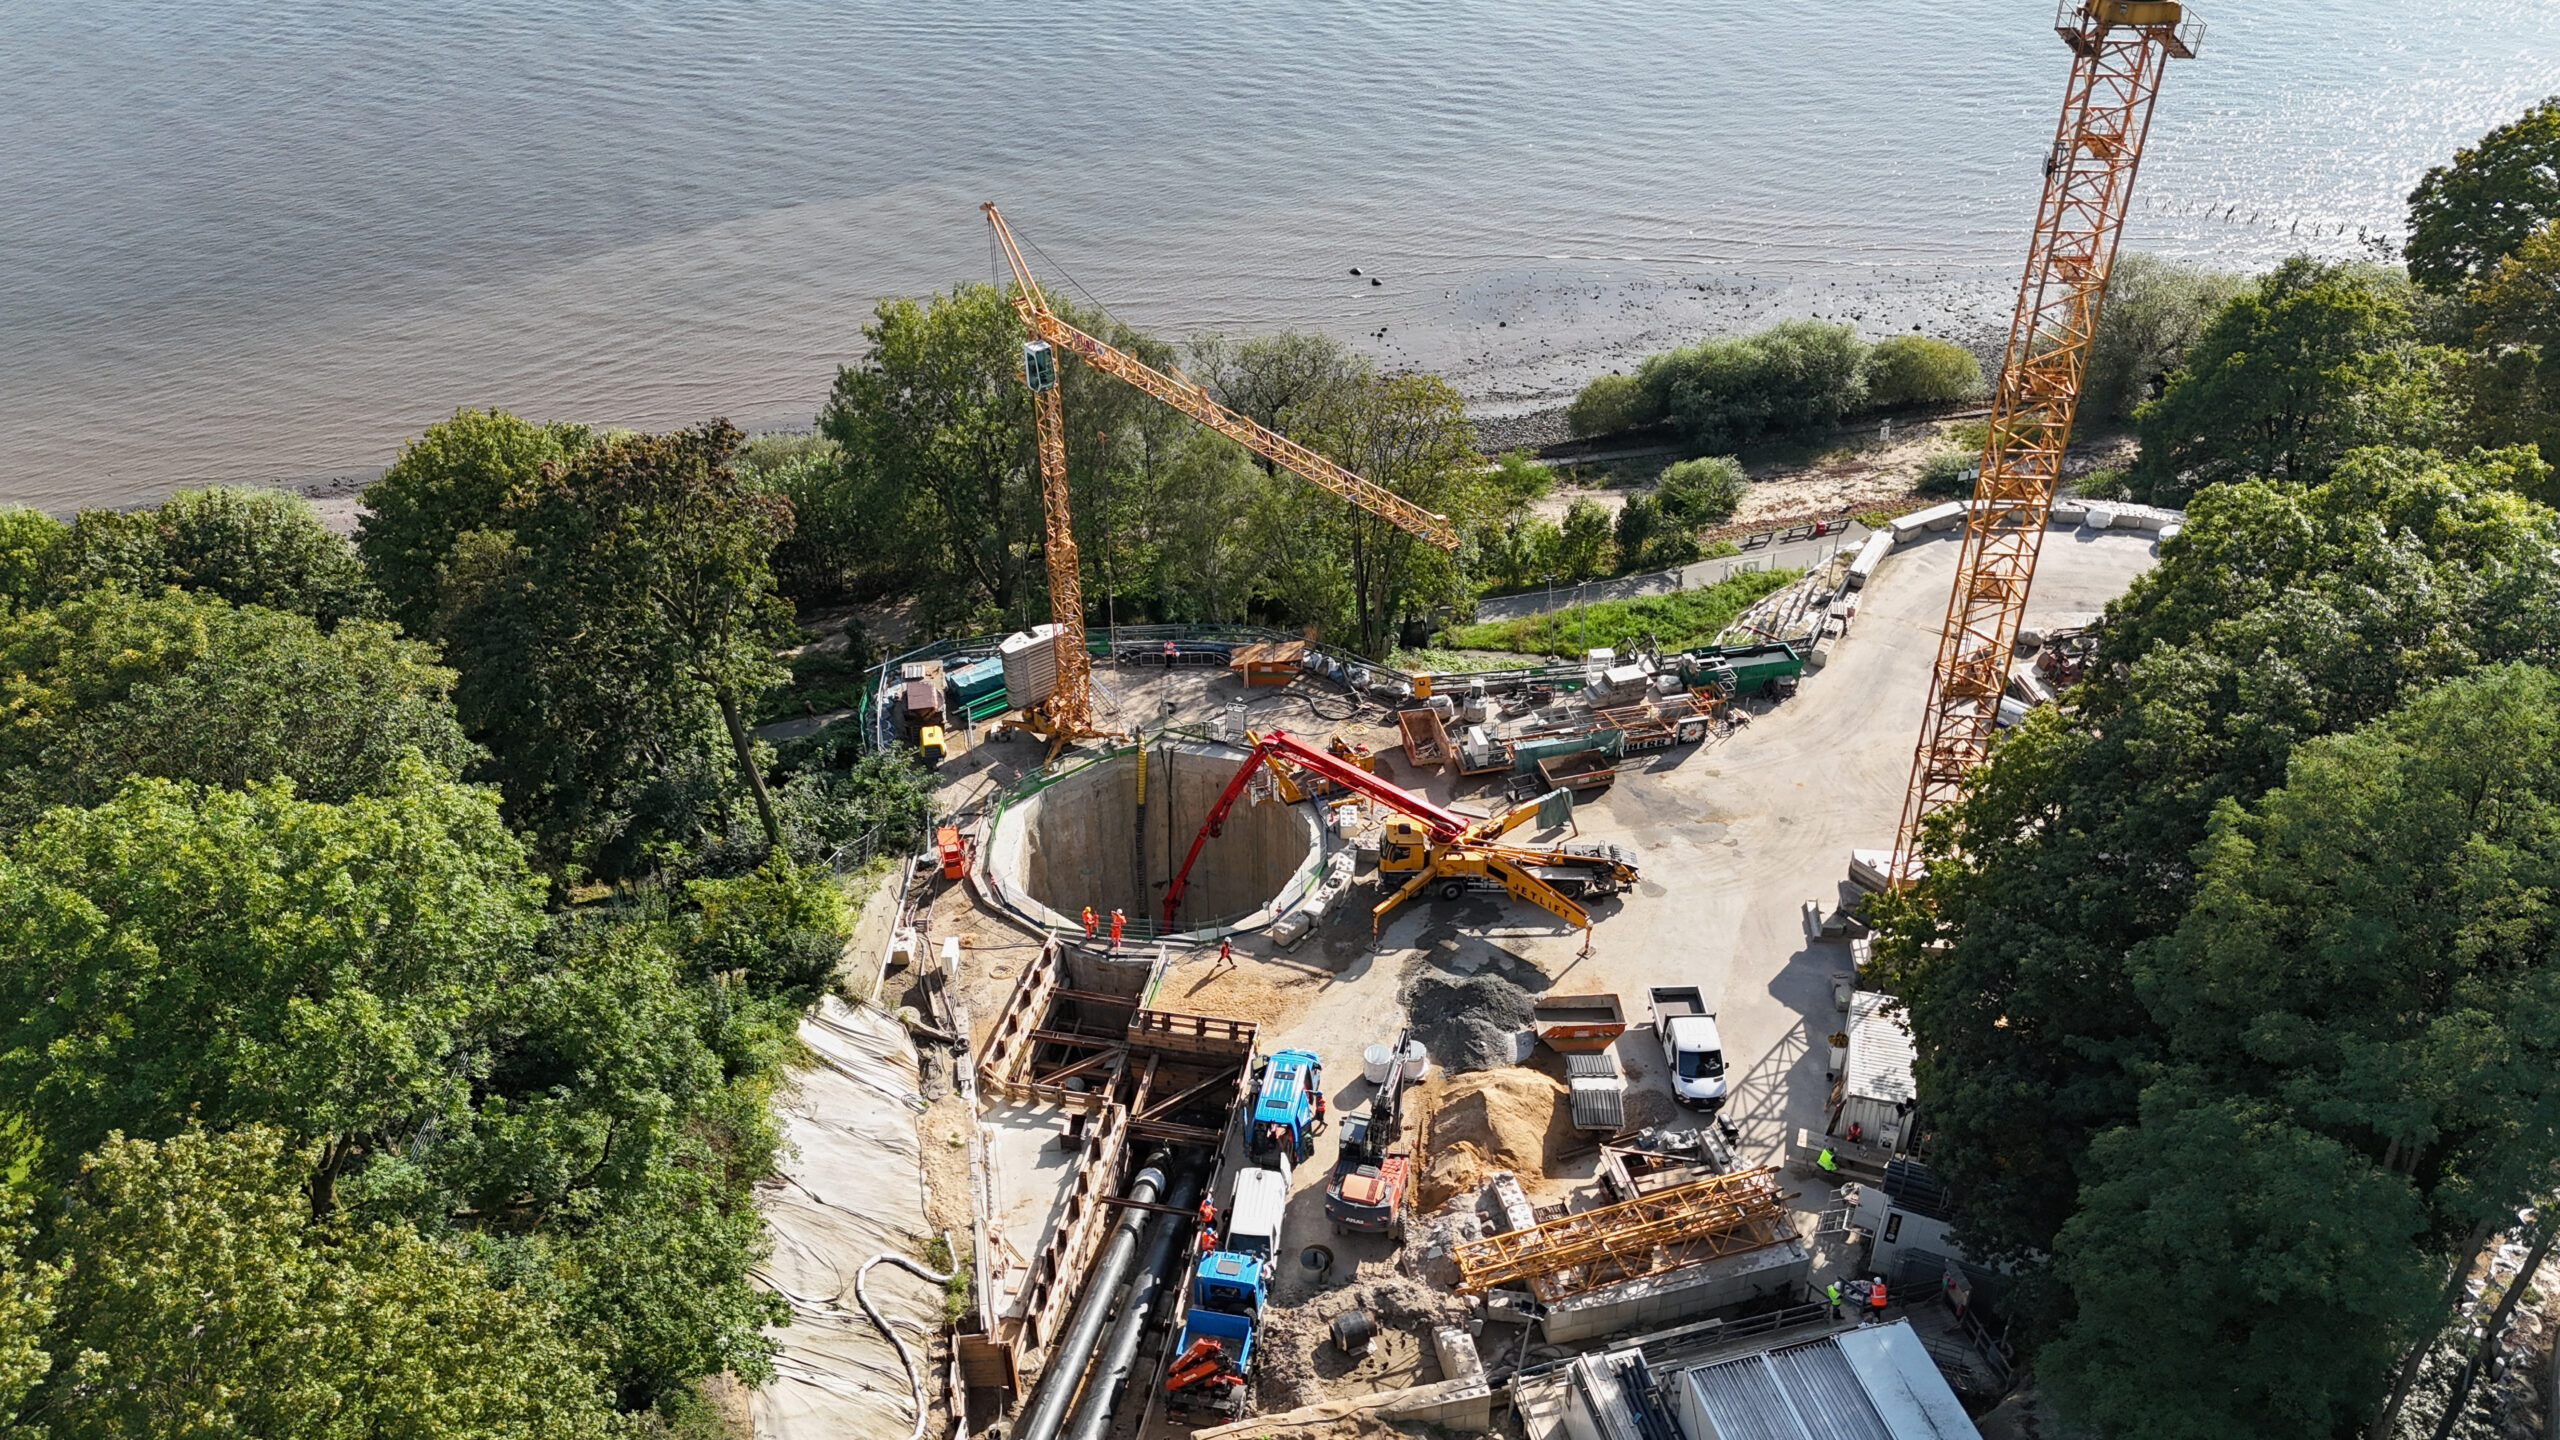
(1067, 716)
(2119, 49)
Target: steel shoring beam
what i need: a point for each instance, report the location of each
(2097, 148)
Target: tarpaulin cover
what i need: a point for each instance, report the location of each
(851, 1186)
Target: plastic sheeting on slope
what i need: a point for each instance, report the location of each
(851, 1186)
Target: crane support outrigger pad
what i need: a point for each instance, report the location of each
(1429, 844)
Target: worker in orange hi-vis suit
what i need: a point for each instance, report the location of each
(1088, 922)
(1117, 920)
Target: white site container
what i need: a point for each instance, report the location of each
(1030, 666)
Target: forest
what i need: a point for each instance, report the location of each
(2236, 980)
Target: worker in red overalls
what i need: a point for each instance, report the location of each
(1088, 922)
(1117, 920)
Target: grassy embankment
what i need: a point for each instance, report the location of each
(1677, 621)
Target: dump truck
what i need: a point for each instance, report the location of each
(1691, 1047)
(1213, 1356)
(1288, 1107)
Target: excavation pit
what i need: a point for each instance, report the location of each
(1083, 838)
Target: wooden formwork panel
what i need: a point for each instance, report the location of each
(1174, 1032)
(1006, 1061)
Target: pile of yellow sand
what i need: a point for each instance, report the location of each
(1492, 1120)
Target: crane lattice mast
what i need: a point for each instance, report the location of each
(1070, 709)
(2119, 50)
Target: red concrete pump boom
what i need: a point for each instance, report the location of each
(1279, 746)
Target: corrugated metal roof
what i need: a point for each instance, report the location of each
(1895, 1370)
(1829, 1400)
(1875, 1382)
(1879, 1066)
(1591, 1065)
(1744, 1400)
(1600, 1104)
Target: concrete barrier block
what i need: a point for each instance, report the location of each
(2101, 517)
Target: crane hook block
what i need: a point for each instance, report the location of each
(1039, 365)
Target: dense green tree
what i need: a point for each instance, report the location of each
(2316, 361)
(262, 547)
(1206, 567)
(27, 1287)
(1353, 572)
(2361, 1011)
(29, 541)
(1584, 548)
(781, 929)
(451, 480)
(110, 685)
(1795, 376)
(236, 957)
(630, 605)
(1266, 377)
(1612, 403)
(2280, 614)
(830, 552)
(2512, 381)
(1919, 370)
(201, 1299)
(2271, 1270)
(934, 437)
(2153, 312)
(1639, 522)
(1702, 491)
(2466, 216)
(249, 547)
(608, 1162)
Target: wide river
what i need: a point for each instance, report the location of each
(264, 242)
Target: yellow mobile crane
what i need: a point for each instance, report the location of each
(2119, 49)
(1067, 716)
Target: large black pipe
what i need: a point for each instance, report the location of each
(1074, 1350)
(1120, 1352)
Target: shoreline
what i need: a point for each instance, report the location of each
(1517, 348)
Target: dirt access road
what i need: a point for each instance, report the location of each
(1735, 837)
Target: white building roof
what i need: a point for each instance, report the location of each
(1872, 1383)
(1879, 1064)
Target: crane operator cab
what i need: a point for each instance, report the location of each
(1039, 365)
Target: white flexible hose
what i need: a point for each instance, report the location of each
(915, 1381)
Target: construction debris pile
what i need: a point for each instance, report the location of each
(1474, 1022)
(1512, 1119)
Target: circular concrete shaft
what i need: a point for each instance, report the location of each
(1085, 840)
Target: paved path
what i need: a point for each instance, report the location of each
(1800, 555)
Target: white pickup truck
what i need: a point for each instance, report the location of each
(1690, 1046)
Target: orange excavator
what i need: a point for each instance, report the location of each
(1428, 844)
